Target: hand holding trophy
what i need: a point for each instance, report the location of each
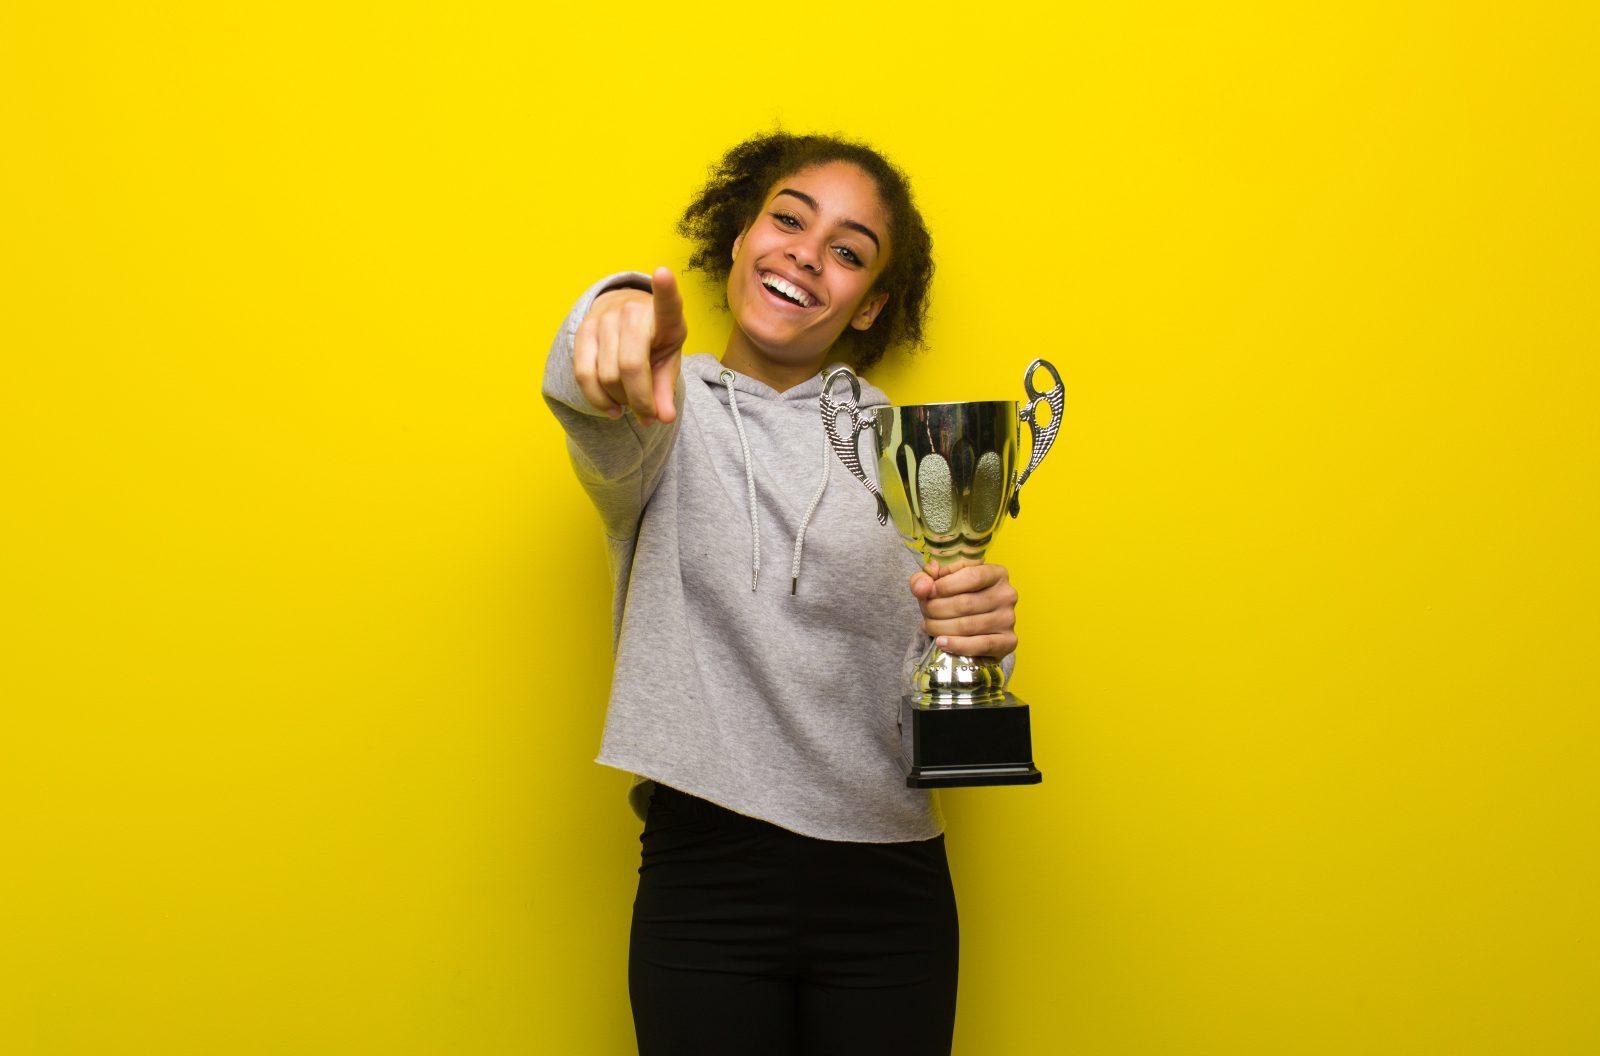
(947, 472)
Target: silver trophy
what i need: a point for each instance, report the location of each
(947, 474)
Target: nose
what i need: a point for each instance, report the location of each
(806, 255)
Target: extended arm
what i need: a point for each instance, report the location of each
(619, 347)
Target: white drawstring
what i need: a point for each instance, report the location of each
(800, 537)
(726, 378)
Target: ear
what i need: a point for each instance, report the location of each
(869, 311)
(737, 242)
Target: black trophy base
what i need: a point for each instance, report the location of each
(968, 745)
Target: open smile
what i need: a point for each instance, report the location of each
(782, 292)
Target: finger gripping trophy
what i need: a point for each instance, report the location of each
(947, 472)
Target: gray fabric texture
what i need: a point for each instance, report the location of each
(777, 706)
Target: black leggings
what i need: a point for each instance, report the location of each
(750, 940)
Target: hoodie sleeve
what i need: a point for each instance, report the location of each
(617, 460)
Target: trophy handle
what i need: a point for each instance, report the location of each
(1040, 437)
(844, 443)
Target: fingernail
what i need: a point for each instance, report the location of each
(941, 642)
(615, 412)
(645, 419)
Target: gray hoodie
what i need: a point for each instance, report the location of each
(777, 705)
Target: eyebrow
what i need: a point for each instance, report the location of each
(851, 224)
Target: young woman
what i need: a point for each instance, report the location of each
(794, 895)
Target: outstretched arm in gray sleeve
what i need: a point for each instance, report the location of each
(612, 381)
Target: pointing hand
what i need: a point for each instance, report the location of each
(626, 351)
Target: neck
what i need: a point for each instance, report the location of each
(746, 359)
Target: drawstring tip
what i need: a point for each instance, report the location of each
(794, 585)
(753, 576)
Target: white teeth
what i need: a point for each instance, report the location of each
(788, 288)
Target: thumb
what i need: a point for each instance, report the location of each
(938, 571)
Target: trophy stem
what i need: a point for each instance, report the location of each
(945, 680)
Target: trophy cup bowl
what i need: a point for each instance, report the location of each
(947, 476)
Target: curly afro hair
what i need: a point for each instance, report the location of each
(737, 189)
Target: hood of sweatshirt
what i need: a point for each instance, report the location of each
(709, 369)
(741, 396)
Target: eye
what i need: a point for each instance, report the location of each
(787, 219)
(848, 254)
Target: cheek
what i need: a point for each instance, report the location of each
(857, 296)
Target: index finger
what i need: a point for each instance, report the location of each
(667, 300)
(968, 579)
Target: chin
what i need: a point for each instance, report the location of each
(781, 351)
(779, 343)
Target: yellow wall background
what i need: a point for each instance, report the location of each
(305, 619)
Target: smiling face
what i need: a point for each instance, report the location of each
(804, 270)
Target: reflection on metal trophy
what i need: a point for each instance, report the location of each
(947, 472)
